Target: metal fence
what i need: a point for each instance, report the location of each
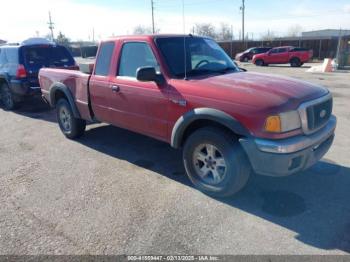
(322, 48)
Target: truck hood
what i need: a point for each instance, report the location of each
(260, 91)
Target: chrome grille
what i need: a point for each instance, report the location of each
(316, 113)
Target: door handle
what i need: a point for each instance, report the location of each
(115, 89)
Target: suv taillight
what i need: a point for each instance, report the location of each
(21, 72)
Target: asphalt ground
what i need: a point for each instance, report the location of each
(117, 192)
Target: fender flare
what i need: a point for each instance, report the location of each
(61, 87)
(214, 115)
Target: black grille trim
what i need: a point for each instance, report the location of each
(316, 117)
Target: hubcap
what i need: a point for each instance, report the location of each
(65, 118)
(209, 163)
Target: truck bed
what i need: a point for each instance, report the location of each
(76, 81)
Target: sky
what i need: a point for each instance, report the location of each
(77, 19)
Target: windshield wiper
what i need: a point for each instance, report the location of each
(226, 69)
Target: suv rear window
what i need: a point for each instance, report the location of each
(49, 56)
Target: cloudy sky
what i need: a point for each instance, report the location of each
(77, 18)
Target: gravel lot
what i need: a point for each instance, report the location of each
(117, 192)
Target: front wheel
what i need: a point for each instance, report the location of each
(215, 162)
(259, 62)
(70, 126)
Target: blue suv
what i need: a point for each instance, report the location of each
(20, 65)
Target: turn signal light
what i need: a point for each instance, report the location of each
(273, 124)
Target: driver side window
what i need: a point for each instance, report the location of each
(135, 55)
(274, 51)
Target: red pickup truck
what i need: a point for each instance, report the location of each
(295, 56)
(186, 91)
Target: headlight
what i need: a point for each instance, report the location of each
(283, 122)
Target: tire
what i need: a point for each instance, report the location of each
(7, 98)
(70, 126)
(245, 59)
(295, 62)
(259, 62)
(221, 173)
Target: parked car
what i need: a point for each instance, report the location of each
(249, 53)
(20, 64)
(296, 56)
(186, 91)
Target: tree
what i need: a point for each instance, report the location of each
(62, 39)
(205, 29)
(294, 30)
(144, 30)
(224, 33)
(268, 36)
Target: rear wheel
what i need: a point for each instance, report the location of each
(8, 98)
(215, 162)
(70, 126)
(259, 62)
(245, 59)
(295, 62)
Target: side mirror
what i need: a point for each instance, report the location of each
(146, 74)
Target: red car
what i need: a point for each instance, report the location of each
(295, 56)
(186, 91)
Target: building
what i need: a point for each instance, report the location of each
(329, 33)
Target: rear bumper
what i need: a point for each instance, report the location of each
(23, 88)
(288, 156)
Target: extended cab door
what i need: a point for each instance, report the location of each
(272, 56)
(283, 55)
(99, 85)
(135, 105)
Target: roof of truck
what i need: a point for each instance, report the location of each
(148, 37)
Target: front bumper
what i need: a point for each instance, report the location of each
(288, 156)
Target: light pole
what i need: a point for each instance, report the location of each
(243, 10)
(51, 27)
(152, 6)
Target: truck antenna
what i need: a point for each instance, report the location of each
(184, 30)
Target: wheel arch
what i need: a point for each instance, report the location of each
(199, 117)
(4, 80)
(294, 58)
(59, 90)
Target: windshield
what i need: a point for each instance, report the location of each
(203, 56)
(49, 56)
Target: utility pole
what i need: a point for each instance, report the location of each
(51, 27)
(152, 6)
(243, 10)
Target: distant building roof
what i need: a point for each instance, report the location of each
(326, 33)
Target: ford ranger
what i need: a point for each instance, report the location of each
(186, 91)
(295, 56)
